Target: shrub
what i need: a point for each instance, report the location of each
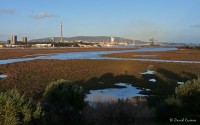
(16, 108)
(189, 89)
(186, 99)
(64, 100)
(173, 101)
(189, 94)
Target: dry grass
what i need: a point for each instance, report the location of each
(183, 54)
(20, 52)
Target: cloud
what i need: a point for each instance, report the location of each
(43, 15)
(195, 26)
(7, 11)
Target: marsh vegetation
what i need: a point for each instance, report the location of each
(63, 103)
(57, 101)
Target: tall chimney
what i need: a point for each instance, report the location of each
(61, 32)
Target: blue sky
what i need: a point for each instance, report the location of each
(164, 20)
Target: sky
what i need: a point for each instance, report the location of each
(163, 20)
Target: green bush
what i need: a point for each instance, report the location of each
(186, 99)
(189, 94)
(64, 101)
(189, 89)
(16, 108)
(64, 95)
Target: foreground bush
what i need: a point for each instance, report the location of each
(64, 101)
(189, 94)
(17, 109)
(184, 102)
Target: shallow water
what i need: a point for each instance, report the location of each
(147, 89)
(7, 61)
(113, 93)
(3, 76)
(152, 80)
(180, 83)
(95, 55)
(144, 55)
(148, 72)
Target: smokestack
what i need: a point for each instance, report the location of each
(61, 32)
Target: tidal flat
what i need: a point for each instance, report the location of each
(10, 53)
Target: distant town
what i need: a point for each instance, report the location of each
(100, 41)
(13, 42)
(81, 41)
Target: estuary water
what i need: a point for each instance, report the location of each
(95, 55)
(3, 76)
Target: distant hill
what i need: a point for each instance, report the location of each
(87, 38)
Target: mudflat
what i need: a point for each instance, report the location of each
(181, 54)
(22, 53)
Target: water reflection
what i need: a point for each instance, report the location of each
(152, 80)
(113, 93)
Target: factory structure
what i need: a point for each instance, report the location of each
(61, 40)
